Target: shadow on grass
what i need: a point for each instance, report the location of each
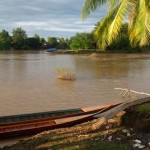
(91, 143)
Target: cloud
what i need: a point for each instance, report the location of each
(46, 17)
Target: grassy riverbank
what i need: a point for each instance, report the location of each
(81, 138)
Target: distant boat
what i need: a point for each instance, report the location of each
(37, 122)
(51, 50)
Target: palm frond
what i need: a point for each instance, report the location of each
(108, 29)
(140, 28)
(101, 32)
(113, 4)
(90, 6)
(123, 11)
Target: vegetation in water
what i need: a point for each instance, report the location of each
(94, 55)
(65, 74)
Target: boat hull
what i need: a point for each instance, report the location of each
(36, 126)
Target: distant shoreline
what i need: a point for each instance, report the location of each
(83, 51)
(91, 51)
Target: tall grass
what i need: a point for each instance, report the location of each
(65, 74)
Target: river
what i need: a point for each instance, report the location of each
(29, 83)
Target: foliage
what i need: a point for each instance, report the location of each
(65, 74)
(82, 41)
(56, 42)
(122, 41)
(18, 38)
(5, 40)
(33, 43)
(20, 41)
(62, 43)
(143, 108)
(40, 41)
(137, 13)
(52, 41)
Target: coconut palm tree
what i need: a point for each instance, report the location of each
(135, 12)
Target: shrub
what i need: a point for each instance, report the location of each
(65, 74)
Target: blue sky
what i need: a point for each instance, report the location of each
(60, 18)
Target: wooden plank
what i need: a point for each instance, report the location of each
(105, 116)
(86, 109)
(111, 113)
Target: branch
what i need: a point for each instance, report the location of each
(127, 90)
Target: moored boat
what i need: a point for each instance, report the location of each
(41, 116)
(37, 122)
(51, 50)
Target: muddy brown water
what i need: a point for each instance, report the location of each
(29, 83)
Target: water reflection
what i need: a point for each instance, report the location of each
(29, 84)
(110, 66)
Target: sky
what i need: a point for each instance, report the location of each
(47, 18)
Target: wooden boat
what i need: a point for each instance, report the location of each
(49, 115)
(37, 122)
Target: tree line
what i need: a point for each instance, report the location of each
(19, 40)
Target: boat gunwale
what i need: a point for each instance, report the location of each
(51, 118)
(39, 113)
(74, 112)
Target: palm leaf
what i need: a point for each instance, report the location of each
(108, 29)
(101, 32)
(113, 4)
(140, 27)
(90, 6)
(123, 11)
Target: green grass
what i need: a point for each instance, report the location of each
(109, 146)
(144, 108)
(94, 145)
